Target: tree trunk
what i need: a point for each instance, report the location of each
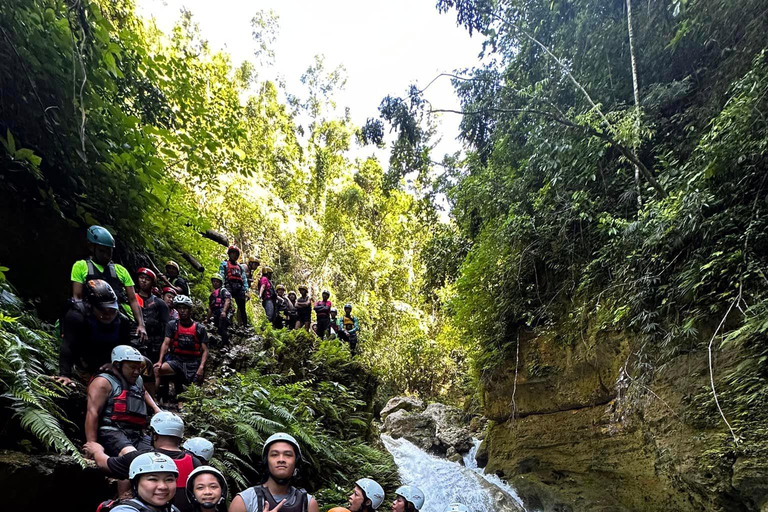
(636, 91)
(216, 237)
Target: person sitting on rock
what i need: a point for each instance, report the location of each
(303, 308)
(156, 318)
(167, 431)
(281, 457)
(153, 478)
(186, 345)
(207, 489)
(202, 448)
(220, 308)
(409, 499)
(90, 330)
(118, 404)
(366, 496)
(99, 266)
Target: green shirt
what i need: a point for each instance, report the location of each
(80, 270)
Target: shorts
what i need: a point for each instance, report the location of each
(114, 439)
(304, 315)
(237, 290)
(184, 368)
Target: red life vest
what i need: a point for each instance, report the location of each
(185, 465)
(185, 341)
(124, 404)
(234, 272)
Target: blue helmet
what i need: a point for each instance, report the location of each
(100, 236)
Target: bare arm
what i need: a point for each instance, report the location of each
(98, 392)
(227, 304)
(151, 402)
(95, 451)
(238, 505)
(77, 290)
(131, 294)
(313, 507)
(204, 359)
(163, 351)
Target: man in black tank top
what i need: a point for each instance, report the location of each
(280, 458)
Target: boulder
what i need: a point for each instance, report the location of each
(449, 427)
(402, 403)
(416, 427)
(438, 428)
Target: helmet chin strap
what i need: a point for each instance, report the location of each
(208, 505)
(282, 481)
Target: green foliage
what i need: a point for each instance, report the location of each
(27, 355)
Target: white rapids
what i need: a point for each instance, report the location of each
(445, 482)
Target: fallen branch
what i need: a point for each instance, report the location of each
(217, 237)
(192, 261)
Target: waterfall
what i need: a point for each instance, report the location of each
(445, 482)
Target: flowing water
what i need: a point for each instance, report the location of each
(445, 482)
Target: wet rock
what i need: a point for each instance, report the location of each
(437, 428)
(449, 427)
(416, 427)
(402, 403)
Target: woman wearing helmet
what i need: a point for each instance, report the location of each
(207, 489)
(281, 457)
(118, 404)
(267, 293)
(303, 308)
(367, 496)
(153, 478)
(409, 499)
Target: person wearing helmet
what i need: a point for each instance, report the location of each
(282, 306)
(291, 313)
(172, 279)
(167, 431)
(349, 328)
(220, 307)
(207, 489)
(323, 312)
(154, 481)
(366, 496)
(185, 344)
(116, 414)
(457, 507)
(168, 294)
(254, 262)
(235, 281)
(267, 294)
(90, 330)
(409, 499)
(333, 326)
(156, 317)
(280, 460)
(100, 266)
(303, 308)
(201, 447)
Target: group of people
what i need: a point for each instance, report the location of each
(284, 309)
(130, 341)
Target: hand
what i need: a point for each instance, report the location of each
(142, 332)
(91, 448)
(223, 315)
(64, 381)
(278, 507)
(199, 380)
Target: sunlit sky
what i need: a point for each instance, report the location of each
(384, 46)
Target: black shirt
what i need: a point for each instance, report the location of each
(87, 342)
(181, 283)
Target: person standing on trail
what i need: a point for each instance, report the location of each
(220, 308)
(167, 431)
(100, 266)
(367, 496)
(292, 314)
(153, 479)
(267, 293)
(281, 459)
(282, 305)
(173, 279)
(118, 404)
(186, 345)
(235, 281)
(254, 262)
(168, 294)
(156, 317)
(409, 499)
(90, 330)
(207, 489)
(303, 308)
(333, 326)
(323, 312)
(349, 328)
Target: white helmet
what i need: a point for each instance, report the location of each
(412, 494)
(200, 446)
(373, 491)
(126, 353)
(182, 300)
(205, 469)
(456, 507)
(286, 438)
(166, 423)
(152, 462)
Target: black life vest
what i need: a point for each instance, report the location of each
(124, 407)
(132, 503)
(185, 341)
(234, 272)
(297, 500)
(215, 300)
(110, 276)
(151, 312)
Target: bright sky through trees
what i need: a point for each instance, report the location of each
(384, 46)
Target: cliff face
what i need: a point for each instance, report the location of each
(577, 434)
